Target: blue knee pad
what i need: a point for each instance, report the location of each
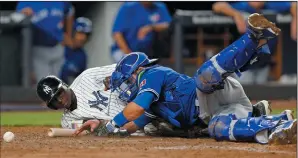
(229, 128)
(208, 78)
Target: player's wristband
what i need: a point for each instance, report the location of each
(120, 119)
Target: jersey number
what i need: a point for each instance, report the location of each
(100, 99)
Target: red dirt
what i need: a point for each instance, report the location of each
(284, 104)
(33, 142)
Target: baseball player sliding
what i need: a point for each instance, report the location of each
(210, 98)
(85, 99)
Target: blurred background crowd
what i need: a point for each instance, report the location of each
(68, 37)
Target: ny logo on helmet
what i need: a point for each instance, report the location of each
(47, 89)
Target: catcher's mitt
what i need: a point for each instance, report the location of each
(107, 128)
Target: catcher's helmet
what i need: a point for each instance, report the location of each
(123, 73)
(49, 88)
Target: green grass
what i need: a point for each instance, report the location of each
(50, 118)
(44, 118)
(278, 111)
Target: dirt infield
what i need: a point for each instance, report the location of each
(33, 142)
(282, 104)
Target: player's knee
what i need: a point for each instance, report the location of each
(207, 78)
(219, 126)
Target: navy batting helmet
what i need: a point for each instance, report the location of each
(49, 88)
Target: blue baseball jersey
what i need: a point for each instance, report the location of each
(48, 20)
(277, 7)
(174, 95)
(75, 63)
(132, 16)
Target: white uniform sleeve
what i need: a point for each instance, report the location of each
(71, 122)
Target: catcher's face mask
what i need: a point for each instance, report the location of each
(127, 87)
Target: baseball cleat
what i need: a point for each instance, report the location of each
(261, 108)
(289, 114)
(262, 28)
(284, 134)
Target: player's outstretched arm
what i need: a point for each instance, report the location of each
(134, 111)
(89, 125)
(95, 126)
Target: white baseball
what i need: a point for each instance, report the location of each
(8, 136)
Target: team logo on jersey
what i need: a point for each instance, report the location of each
(100, 100)
(154, 17)
(47, 89)
(142, 83)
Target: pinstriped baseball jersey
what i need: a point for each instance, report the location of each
(92, 101)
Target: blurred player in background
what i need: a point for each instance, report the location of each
(136, 25)
(75, 56)
(49, 20)
(234, 9)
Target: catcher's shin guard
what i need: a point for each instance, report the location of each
(241, 51)
(248, 129)
(235, 55)
(209, 77)
(239, 56)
